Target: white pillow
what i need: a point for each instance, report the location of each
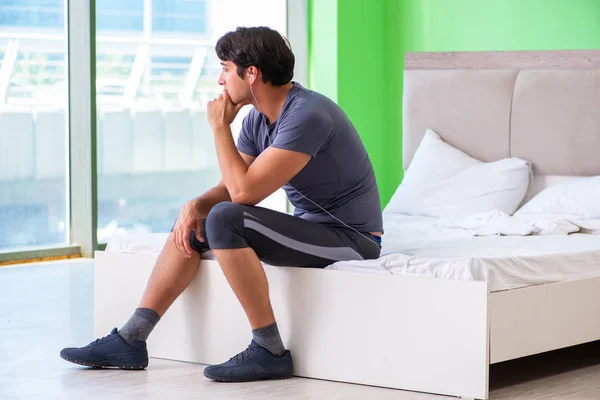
(576, 201)
(442, 181)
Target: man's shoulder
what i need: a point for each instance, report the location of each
(303, 98)
(308, 105)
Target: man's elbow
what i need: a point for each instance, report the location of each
(246, 198)
(238, 194)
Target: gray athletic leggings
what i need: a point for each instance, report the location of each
(282, 239)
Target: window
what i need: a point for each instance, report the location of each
(33, 129)
(119, 15)
(155, 147)
(180, 16)
(32, 14)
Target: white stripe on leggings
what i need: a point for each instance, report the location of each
(329, 253)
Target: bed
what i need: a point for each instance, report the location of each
(443, 302)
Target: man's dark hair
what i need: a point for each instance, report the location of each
(262, 47)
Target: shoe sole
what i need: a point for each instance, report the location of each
(107, 364)
(228, 380)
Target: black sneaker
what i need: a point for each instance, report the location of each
(253, 364)
(109, 351)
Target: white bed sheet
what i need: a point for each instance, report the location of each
(142, 243)
(424, 246)
(428, 247)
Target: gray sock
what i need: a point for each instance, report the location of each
(268, 337)
(139, 325)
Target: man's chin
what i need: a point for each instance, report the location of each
(244, 102)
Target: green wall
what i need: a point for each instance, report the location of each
(357, 48)
(362, 73)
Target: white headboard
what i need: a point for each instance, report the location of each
(541, 106)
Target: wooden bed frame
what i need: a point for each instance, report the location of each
(409, 332)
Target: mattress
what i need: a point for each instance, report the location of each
(424, 246)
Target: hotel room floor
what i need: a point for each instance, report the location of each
(47, 306)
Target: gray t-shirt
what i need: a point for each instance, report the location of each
(339, 177)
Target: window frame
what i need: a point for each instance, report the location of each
(82, 181)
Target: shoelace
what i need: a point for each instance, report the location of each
(244, 355)
(103, 339)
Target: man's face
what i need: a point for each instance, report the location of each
(237, 88)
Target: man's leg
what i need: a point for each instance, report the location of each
(126, 348)
(241, 236)
(247, 278)
(172, 273)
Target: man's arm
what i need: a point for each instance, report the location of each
(203, 204)
(272, 168)
(250, 184)
(194, 211)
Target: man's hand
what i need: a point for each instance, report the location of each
(189, 219)
(222, 111)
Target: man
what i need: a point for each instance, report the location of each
(293, 138)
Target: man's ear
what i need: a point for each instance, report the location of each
(252, 74)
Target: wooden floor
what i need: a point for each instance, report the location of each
(45, 307)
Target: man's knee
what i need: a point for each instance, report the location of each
(224, 214)
(225, 226)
